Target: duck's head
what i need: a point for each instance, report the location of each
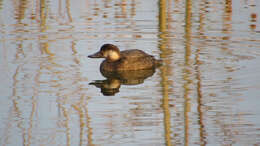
(108, 51)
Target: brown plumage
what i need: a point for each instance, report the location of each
(124, 60)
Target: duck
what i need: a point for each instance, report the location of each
(116, 60)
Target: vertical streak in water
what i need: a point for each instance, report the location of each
(65, 113)
(198, 76)
(31, 117)
(27, 133)
(1, 4)
(82, 110)
(123, 8)
(226, 30)
(21, 10)
(34, 106)
(43, 12)
(133, 10)
(43, 27)
(44, 46)
(74, 52)
(227, 24)
(73, 48)
(68, 10)
(88, 120)
(164, 70)
(81, 120)
(187, 71)
(15, 102)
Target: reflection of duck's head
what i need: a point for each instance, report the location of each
(125, 60)
(108, 51)
(108, 87)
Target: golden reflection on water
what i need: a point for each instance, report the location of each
(165, 69)
(187, 71)
(201, 95)
(198, 77)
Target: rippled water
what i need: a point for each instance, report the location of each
(206, 93)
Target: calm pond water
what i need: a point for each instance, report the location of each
(207, 91)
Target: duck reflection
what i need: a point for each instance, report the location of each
(111, 85)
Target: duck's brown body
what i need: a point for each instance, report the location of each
(124, 60)
(130, 60)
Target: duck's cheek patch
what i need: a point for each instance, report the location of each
(113, 55)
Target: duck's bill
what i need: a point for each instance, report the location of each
(96, 55)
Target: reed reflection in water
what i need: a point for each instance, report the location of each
(205, 93)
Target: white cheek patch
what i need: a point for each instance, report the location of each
(113, 55)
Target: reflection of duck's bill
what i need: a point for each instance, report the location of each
(108, 87)
(96, 55)
(96, 83)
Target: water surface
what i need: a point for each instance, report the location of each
(206, 93)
